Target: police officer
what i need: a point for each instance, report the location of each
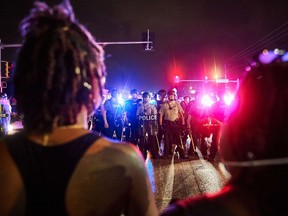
(195, 111)
(148, 127)
(5, 111)
(131, 121)
(160, 101)
(185, 106)
(113, 116)
(171, 119)
(98, 121)
(218, 114)
(208, 127)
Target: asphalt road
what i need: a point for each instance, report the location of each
(178, 179)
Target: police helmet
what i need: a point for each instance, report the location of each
(114, 92)
(161, 91)
(146, 94)
(133, 91)
(171, 92)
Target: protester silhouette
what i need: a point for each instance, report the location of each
(56, 166)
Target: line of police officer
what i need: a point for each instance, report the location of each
(148, 125)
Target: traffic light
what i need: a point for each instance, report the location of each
(8, 68)
(148, 37)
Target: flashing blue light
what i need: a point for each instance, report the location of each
(153, 102)
(267, 56)
(285, 57)
(121, 100)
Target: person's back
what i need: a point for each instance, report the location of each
(56, 166)
(104, 179)
(253, 148)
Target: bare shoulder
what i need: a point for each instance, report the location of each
(105, 143)
(120, 153)
(113, 174)
(11, 185)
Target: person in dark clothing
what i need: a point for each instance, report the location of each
(56, 166)
(113, 114)
(148, 127)
(209, 128)
(98, 121)
(160, 101)
(131, 121)
(218, 114)
(195, 110)
(253, 148)
(185, 133)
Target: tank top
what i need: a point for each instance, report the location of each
(46, 171)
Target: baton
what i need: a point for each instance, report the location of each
(192, 141)
(159, 149)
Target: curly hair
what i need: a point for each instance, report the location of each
(60, 68)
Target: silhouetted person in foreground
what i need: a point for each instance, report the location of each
(56, 166)
(254, 149)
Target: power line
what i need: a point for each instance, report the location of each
(257, 48)
(249, 54)
(252, 46)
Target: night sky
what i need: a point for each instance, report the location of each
(193, 38)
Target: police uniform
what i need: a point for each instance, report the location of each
(171, 114)
(148, 129)
(98, 121)
(131, 107)
(185, 106)
(114, 116)
(195, 112)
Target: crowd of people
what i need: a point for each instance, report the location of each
(175, 125)
(58, 166)
(5, 114)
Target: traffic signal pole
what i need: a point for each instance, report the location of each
(148, 43)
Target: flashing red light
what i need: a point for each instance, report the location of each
(206, 101)
(228, 98)
(177, 79)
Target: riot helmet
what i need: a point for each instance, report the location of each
(146, 94)
(114, 93)
(161, 92)
(133, 91)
